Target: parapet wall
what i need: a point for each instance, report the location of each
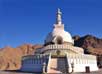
(63, 47)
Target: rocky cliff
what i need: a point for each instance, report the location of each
(91, 44)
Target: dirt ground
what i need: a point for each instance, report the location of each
(95, 72)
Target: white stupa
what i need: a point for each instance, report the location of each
(59, 32)
(59, 55)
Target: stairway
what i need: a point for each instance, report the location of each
(58, 65)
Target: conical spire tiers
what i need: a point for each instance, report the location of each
(59, 23)
(59, 17)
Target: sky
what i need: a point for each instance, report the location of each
(29, 21)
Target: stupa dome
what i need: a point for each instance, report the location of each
(58, 35)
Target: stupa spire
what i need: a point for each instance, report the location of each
(59, 17)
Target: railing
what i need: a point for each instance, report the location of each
(48, 66)
(68, 64)
(76, 49)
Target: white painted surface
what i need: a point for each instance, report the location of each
(81, 62)
(59, 32)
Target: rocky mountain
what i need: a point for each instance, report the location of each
(10, 58)
(91, 44)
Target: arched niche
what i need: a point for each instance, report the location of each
(58, 40)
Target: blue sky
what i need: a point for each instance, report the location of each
(29, 21)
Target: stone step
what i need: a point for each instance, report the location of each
(58, 65)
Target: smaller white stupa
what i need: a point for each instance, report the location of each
(59, 55)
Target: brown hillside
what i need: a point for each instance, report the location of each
(90, 43)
